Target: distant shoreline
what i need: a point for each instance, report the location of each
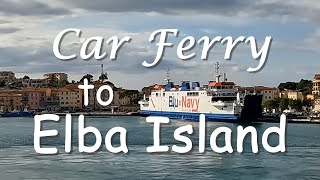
(297, 120)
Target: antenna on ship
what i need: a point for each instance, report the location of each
(168, 76)
(218, 75)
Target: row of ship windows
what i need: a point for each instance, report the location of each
(222, 87)
(224, 94)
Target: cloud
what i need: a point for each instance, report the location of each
(29, 27)
(29, 8)
(312, 42)
(4, 21)
(221, 8)
(8, 30)
(163, 6)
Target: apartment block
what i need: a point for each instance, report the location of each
(59, 77)
(69, 99)
(268, 93)
(34, 83)
(316, 85)
(7, 76)
(10, 101)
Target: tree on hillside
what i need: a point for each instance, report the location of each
(272, 104)
(276, 103)
(53, 83)
(103, 77)
(303, 83)
(284, 104)
(307, 103)
(87, 76)
(64, 83)
(299, 105)
(304, 86)
(268, 105)
(2, 83)
(26, 77)
(288, 85)
(295, 104)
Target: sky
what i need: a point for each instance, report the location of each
(28, 28)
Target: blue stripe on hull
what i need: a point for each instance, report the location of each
(192, 116)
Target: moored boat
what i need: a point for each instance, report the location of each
(18, 114)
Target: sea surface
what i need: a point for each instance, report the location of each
(18, 159)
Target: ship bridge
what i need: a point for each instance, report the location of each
(222, 89)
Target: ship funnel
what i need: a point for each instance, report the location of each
(225, 77)
(195, 85)
(185, 86)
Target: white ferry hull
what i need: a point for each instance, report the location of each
(188, 105)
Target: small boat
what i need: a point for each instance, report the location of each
(18, 114)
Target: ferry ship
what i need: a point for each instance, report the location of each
(218, 101)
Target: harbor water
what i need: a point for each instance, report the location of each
(18, 159)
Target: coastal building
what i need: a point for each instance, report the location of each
(69, 99)
(268, 93)
(316, 85)
(40, 99)
(34, 83)
(10, 101)
(52, 101)
(35, 98)
(316, 107)
(310, 97)
(58, 77)
(7, 76)
(296, 95)
(292, 94)
(147, 90)
(123, 97)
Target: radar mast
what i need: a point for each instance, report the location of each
(217, 73)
